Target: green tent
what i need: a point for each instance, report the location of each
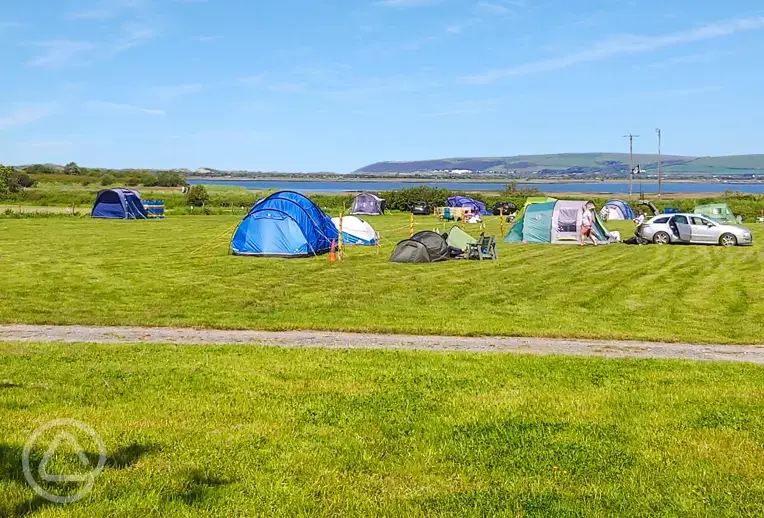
(717, 211)
(557, 222)
(532, 200)
(458, 238)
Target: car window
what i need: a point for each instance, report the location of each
(699, 221)
(661, 220)
(680, 220)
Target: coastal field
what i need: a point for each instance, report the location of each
(178, 272)
(248, 431)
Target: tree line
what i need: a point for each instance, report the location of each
(72, 173)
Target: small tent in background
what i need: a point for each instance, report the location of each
(285, 224)
(356, 231)
(368, 204)
(118, 204)
(475, 206)
(717, 211)
(556, 222)
(458, 238)
(616, 210)
(423, 247)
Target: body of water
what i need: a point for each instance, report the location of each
(319, 186)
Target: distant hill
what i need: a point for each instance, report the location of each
(575, 165)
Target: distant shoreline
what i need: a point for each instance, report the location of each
(387, 179)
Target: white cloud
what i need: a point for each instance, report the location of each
(406, 3)
(27, 115)
(118, 107)
(133, 35)
(170, 93)
(4, 26)
(58, 53)
(106, 9)
(690, 59)
(207, 39)
(623, 45)
(493, 8)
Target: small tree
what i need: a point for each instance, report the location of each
(148, 180)
(8, 181)
(107, 179)
(26, 181)
(72, 169)
(197, 196)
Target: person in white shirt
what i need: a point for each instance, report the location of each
(587, 224)
(640, 219)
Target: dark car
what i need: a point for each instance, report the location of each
(504, 207)
(421, 208)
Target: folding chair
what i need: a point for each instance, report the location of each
(485, 248)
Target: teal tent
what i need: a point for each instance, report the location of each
(557, 222)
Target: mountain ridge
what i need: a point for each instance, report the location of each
(576, 165)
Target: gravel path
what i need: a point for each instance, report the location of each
(332, 340)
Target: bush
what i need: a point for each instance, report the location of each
(107, 179)
(170, 179)
(148, 180)
(403, 199)
(26, 181)
(72, 169)
(132, 181)
(197, 196)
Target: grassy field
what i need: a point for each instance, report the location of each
(178, 272)
(235, 431)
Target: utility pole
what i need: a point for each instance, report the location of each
(660, 162)
(631, 160)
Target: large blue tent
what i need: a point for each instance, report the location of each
(285, 224)
(468, 203)
(118, 204)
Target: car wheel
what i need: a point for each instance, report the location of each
(661, 238)
(728, 240)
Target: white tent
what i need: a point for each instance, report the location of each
(356, 231)
(610, 213)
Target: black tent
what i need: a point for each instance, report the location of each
(423, 247)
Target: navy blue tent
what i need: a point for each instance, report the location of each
(468, 203)
(118, 204)
(285, 224)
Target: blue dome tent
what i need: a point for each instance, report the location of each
(616, 210)
(468, 203)
(285, 224)
(118, 204)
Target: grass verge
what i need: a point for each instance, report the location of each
(235, 431)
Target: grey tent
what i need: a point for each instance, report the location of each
(368, 204)
(423, 247)
(410, 251)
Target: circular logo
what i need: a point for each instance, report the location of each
(66, 434)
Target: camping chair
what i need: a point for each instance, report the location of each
(485, 248)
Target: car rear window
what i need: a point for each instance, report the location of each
(661, 220)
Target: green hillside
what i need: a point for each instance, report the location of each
(576, 164)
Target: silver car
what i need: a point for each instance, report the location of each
(692, 228)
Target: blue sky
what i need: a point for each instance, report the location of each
(299, 85)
